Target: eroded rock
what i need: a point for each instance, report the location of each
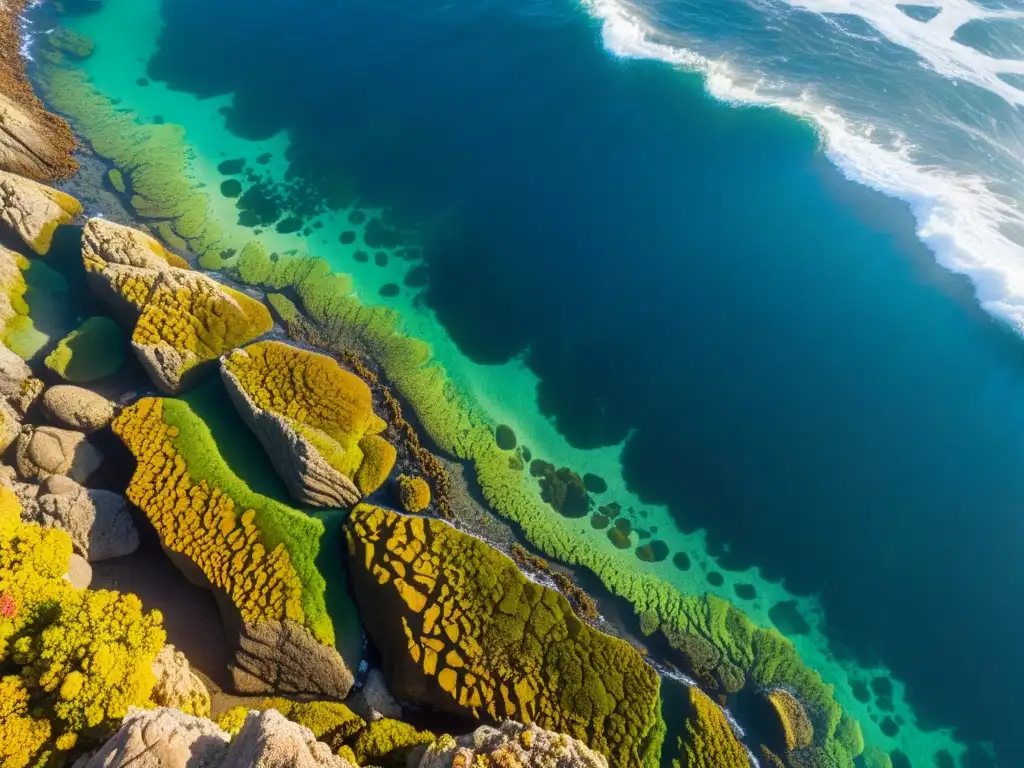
(98, 521)
(46, 451)
(14, 373)
(77, 408)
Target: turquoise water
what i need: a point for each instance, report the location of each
(685, 297)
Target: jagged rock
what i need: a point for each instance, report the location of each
(512, 745)
(182, 320)
(168, 738)
(177, 685)
(374, 701)
(34, 211)
(98, 521)
(282, 657)
(161, 738)
(77, 408)
(79, 572)
(46, 451)
(10, 426)
(14, 372)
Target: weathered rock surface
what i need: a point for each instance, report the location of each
(177, 685)
(46, 451)
(181, 319)
(34, 211)
(98, 521)
(10, 426)
(14, 372)
(77, 408)
(512, 745)
(12, 285)
(374, 701)
(79, 572)
(26, 398)
(168, 738)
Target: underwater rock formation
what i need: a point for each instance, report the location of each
(33, 211)
(314, 419)
(461, 629)
(182, 319)
(89, 353)
(33, 142)
(255, 554)
(69, 42)
(512, 745)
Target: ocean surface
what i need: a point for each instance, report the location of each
(757, 264)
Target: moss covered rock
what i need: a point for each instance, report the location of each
(33, 211)
(461, 629)
(91, 352)
(708, 740)
(314, 419)
(180, 319)
(256, 554)
(414, 493)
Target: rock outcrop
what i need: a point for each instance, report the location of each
(33, 211)
(462, 630)
(314, 419)
(14, 373)
(76, 408)
(177, 685)
(98, 521)
(33, 142)
(511, 745)
(46, 451)
(168, 738)
(181, 320)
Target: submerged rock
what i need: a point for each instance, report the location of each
(181, 320)
(89, 353)
(33, 211)
(511, 745)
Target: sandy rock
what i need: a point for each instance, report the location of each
(34, 211)
(374, 701)
(269, 740)
(162, 738)
(177, 685)
(79, 572)
(45, 451)
(512, 745)
(77, 408)
(14, 372)
(99, 522)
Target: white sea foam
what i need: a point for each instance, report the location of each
(959, 217)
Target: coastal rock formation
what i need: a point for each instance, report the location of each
(46, 451)
(709, 741)
(10, 426)
(33, 211)
(177, 685)
(12, 288)
(794, 729)
(98, 521)
(314, 419)
(181, 319)
(168, 738)
(462, 630)
(33, 142)
(256, 554)
(77, 408)
(14, 373)
(511, 745)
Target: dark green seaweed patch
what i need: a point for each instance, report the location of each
(232, 167)
(654, 552)
(379, 236)
(158, 120)
(563, 489)
(619, 537)
(505, 437)
(347, 237)
(261, 203)
(264, 158)
(417, 278)
(356, 217)
(595, 483)
(389, 290)
(860, 691)
(380, 259)
(745, 591)
(786, 616)
(612, 509)
(599, 521)
(889, 727)
(231, 188)
(361, 256)
(715, 579)
(681, 560)
(291, 224)
(142, 82)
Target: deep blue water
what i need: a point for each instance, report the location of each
(795, 373)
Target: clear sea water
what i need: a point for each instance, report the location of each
(758, 264)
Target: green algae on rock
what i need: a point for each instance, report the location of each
(461, 629)
(314, 419)
(256, 554)
(93, 351)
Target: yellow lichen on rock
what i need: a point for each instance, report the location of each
(793, 722)
(461, 629)
(414, 493)
(33, 211)
(709, 741)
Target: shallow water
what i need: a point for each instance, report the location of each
(682, 296)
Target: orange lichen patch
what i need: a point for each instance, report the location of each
(465, 632)
(204, 523)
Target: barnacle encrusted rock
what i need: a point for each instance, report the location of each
(256, 554)
(461, 629)
(181, 319)
(314, 419)
(34, 211)
(511, 745)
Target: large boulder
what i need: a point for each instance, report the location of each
(99, 522)
(77, 408)
(314, 419)
(169, 738)
(181, 320)
(46, 451)
(257, 555)
(461, 630)
(34, 211)
(177, 685)
(512, 745)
